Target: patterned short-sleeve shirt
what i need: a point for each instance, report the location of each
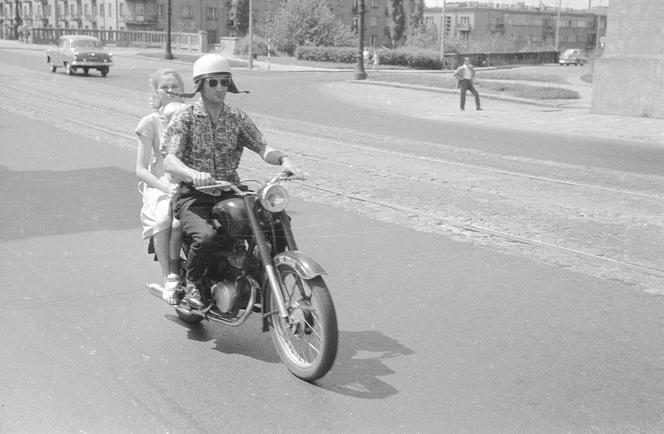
(215, 149)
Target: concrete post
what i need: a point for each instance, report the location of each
(629, 77)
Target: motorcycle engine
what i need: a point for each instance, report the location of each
(225, 295)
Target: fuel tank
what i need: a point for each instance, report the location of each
(231, 215)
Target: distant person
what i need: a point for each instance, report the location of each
(465, 74)
(157, 189)
(376, 60)
(365, 55)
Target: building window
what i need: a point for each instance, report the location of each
(374, 4)
(186, 12)
(122, 9)
(211, 14)
(110, 11)
(374, 40)
(373, 21)
(162, 10)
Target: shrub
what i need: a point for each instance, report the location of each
(259, 48)
(413, 57)
(326, 54)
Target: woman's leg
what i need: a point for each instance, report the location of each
(161, 249)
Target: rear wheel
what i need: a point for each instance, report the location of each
(53, 68)
(307, 339)
(85, 71)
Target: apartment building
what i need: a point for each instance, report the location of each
(525, 26)
(215, 16)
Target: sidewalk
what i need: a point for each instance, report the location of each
(560, 117)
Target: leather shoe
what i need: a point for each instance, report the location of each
(195, 299)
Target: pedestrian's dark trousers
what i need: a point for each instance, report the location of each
(193, 208)
(465, 86)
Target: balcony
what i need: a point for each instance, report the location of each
(463, 27)
(142, 20)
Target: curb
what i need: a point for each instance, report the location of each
(486, 95)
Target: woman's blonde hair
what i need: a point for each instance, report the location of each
(155, 80)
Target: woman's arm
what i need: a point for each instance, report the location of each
(143, 155)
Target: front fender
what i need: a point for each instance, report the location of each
(305, 266)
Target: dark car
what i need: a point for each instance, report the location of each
(78, 52)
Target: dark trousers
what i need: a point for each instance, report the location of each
(193, 208)
(467, 85)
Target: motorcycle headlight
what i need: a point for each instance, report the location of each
(274, 198)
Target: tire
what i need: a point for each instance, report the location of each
(104, 71)
(309, 346)
(86, 70)
(69, 69)
(187, 316)
(53, 68)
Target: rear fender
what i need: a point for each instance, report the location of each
(305, 266)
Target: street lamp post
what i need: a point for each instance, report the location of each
(251, 36)
(169, 53)
(442, 36)
(17, 19)
(558, 25)
(360, 74)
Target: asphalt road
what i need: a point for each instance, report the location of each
(436, 334)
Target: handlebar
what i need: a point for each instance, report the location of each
(220, 186)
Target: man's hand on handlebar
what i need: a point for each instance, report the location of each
(288, 167)
(201, 178)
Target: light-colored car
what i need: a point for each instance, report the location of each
(78, 52)
(573, 56)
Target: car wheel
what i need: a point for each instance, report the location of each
(85, 71)
(53, 68)
(104, 72)
(69, 69)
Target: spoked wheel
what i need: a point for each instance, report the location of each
(307, 339)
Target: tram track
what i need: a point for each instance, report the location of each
(461, 191)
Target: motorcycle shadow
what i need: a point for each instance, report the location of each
(360, 364)
(247, 340)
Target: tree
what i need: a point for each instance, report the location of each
(305, 22)
(396, 22)
(240, 10)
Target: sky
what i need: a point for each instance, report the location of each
(575, 4)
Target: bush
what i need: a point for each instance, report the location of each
(326, 54)
(259, 47)
(418, 58)
(406, 56)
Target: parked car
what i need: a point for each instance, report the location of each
(573, 56)
(75, 52)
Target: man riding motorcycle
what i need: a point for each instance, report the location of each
(204, 143)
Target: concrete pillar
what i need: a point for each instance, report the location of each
(629, 77)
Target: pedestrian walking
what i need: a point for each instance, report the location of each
(465, 74)
(376, 60)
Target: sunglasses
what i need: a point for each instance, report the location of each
(213, 82)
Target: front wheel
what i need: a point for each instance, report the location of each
(307, 339)
(104, 71)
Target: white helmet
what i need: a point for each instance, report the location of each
(212, 64)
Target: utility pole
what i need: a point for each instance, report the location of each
(169, 53)
(251, 36)
(442, 36)
(599, 22)
(360, 73)
(558, 25)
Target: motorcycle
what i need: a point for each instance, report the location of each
(257, 268)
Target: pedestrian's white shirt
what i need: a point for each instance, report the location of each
(467, 73)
